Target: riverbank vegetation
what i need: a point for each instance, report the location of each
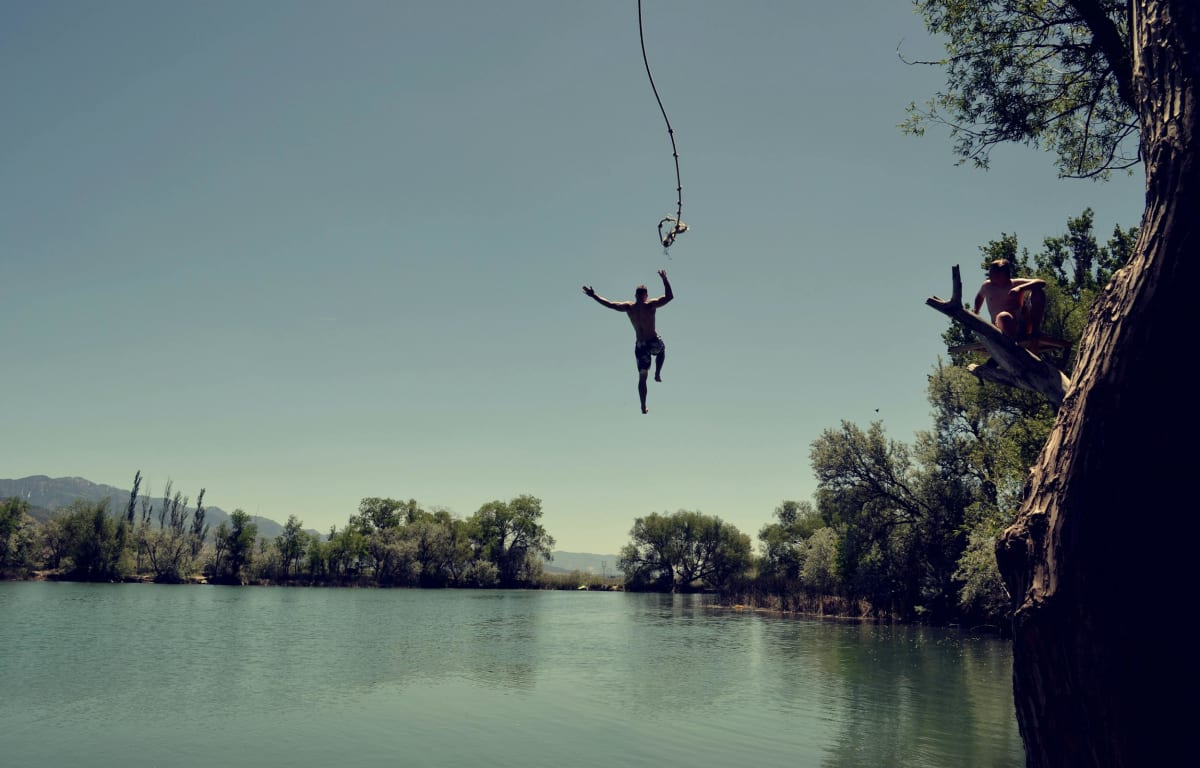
(388, 543)
(895, 530)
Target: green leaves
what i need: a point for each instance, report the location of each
(1055, 75)
(508, 535)
(683, 551)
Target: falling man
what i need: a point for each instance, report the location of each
(641, 313)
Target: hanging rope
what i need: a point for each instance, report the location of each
(676, 222)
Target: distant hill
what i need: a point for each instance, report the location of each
(566, 562)
(53, 493)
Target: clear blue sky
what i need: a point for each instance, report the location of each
(299, 253)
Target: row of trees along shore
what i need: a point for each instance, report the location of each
(388, 543)
(896, 531)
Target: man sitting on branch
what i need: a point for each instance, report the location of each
(1017, 305)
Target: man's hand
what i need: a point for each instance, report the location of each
(588, 290)
(662, 273)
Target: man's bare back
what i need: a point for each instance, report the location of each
(642, 316)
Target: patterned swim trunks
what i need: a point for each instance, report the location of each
(643, 350)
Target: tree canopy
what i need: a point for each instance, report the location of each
(683, 551)
(1055, 74)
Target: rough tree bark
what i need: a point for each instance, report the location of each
(1099, 559)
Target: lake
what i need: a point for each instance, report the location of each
(135, 675)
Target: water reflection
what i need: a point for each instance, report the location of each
(899, 695)
(600, 678)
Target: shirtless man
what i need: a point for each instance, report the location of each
(641, 313)
(1016, 305)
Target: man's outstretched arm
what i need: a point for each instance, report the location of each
(1023, 283)
(620, 306)
(668, 294)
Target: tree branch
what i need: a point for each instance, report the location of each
(1013, 366)
(1113, 46)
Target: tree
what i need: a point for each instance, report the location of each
(171, 547)
(291, 544)
(441, 547)
(133, 494)
(986, 436)
(346, 552)
(1042, 72)
(682, 552)
(199, 530)
(1080, 77)
(870, 491)
(17, 538)
(820, 561)
(508, 535)
(233, 549)
(93, 542)
(785, 542)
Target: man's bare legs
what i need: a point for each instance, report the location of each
(1035, 310)
(642, 388)
(658, 361)
(1028, 325)
(1008, 325)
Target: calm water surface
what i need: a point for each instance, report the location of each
(143, 675)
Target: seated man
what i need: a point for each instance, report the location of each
(1017, 305)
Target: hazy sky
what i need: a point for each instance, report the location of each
(299, 253)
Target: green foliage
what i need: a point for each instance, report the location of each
(347, 551)
(867, 490)
(983, 596)
(1077, 264)
(291, 544)
(131, 508)
(1051, 74)
(170, 549)
(18, 538)
(896, 520)
(233, 549)
(392, 543)
(915, 528)
(683, 551)
(442, 548)
(387, 542)
(89, 544)
(784, 543)
(509, 536)
(820, 572)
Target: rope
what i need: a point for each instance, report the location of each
(679, 227)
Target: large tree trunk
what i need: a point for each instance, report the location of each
(1100, 560)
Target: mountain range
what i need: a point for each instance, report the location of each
(46, 495)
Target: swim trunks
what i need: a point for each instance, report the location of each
(644, 349)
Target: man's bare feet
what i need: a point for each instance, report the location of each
(657, 378)
(645, 409)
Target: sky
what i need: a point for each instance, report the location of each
(300, 253)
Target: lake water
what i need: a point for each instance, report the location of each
(135, 675)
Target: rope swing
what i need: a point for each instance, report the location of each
(677, 227)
